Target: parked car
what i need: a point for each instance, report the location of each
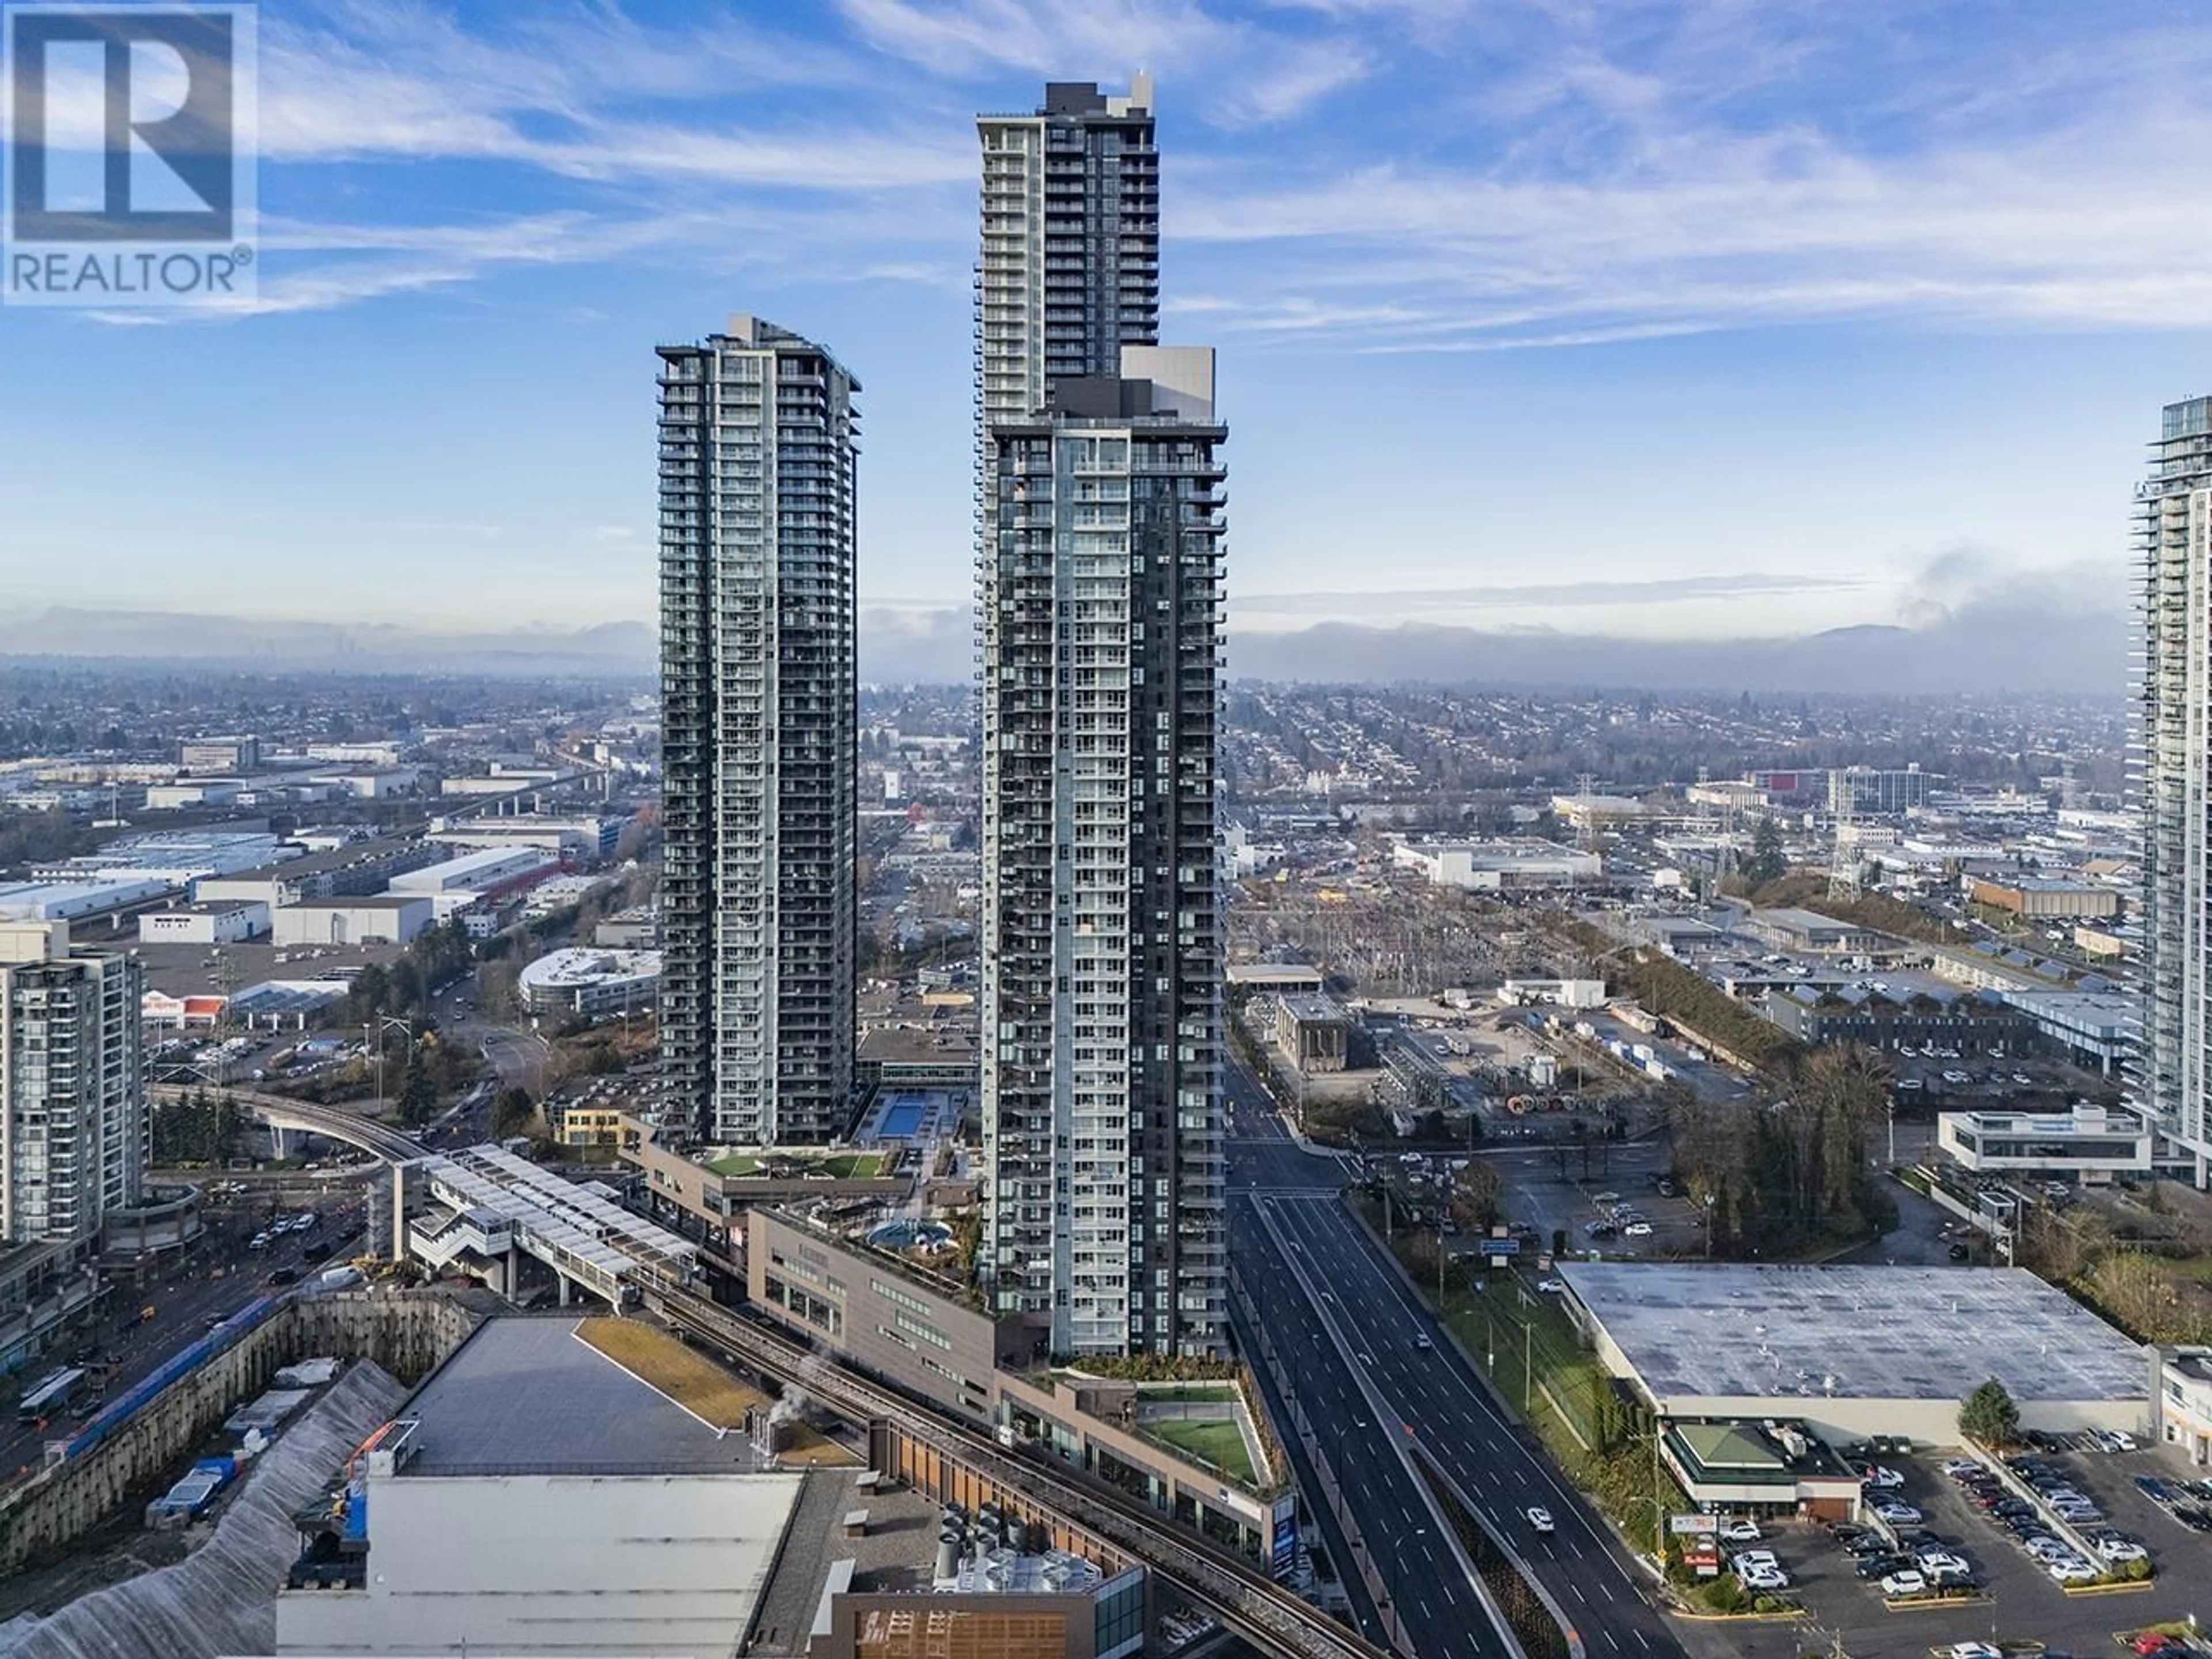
(1881, 1566)
(1904, 1582)
(1742, 1530)
(1552, 1286)
(1886, 1478)
(1637, 1230)
(1896, 1514)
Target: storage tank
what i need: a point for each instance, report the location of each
(948, 1555)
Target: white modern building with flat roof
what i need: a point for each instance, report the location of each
(373, 919)
(591, 982)
(2089, 1144)
(1495, 865)
(229, 922)
(471, 870)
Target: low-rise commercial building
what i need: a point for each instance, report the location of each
(1497, 866)
(473, 871)
(1936, 1015)
(372, 919)
(929, 1333)
(224, 756)
(356, 869)
(1312, 1032)
(1855, 1352)
(2089, 1144)
(1244, 976)
(224, 922)
(590, 982)
(2041, 900)
(2181, 1404)
(539, 1497)
(53, 901)
(1791, 928)
(2095, 1028)
(1768, 1468)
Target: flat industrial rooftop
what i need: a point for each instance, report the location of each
(1745, 1332)
(526, 1395)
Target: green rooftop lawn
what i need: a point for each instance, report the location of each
(736, 1163)
(1219, 1442)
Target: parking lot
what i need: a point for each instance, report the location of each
(2018, 1599)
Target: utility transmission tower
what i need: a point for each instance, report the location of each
(1843, 857)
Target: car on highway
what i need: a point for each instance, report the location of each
(284, 1276)
(1538, 1517)
(1423, 1343)
(1552, 1286)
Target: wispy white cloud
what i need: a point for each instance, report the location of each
(1387, 175)
(1253, 74)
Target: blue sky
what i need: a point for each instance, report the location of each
(1716, 317)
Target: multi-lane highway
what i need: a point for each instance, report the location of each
(1349, 1328)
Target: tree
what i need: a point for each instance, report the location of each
(1767, 861)
(512, 1112)
(418, 1097)
(1990, 1416)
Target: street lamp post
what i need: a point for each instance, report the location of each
(1343, 1503)
(1397, 1617)
(373, 1032)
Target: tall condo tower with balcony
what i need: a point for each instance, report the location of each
(758, 447)
(1099, 573)
(2171, 767)
(73, 1125)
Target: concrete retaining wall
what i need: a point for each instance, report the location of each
(407, 1332)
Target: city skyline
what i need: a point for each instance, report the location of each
(1499, 220)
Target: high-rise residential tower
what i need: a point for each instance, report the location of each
(73, 1125)
(759, 735)
(1100, 571)
(1070, 271)
(2172, 777)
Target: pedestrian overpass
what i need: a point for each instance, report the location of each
(491, 1208)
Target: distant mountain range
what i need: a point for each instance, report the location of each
(246, 642)
(1987, 646)
(1982, 648)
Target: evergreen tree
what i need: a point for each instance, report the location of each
(1767, 861)
(1990, 1416)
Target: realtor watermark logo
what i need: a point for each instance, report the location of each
(130, 154)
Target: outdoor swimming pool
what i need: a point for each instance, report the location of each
(901, 1117)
